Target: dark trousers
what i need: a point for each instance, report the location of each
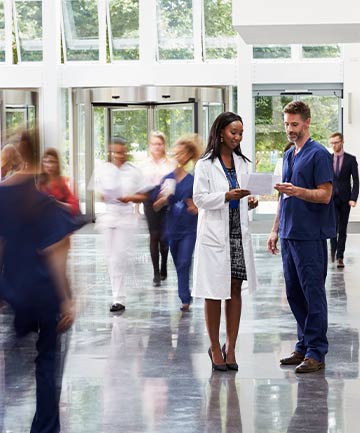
(181, 251)
(342, 211)
(305, 268)
(48, 366)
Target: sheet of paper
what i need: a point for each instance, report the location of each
(259, 183)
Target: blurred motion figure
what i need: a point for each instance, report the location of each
(33, 282)
(154, 168)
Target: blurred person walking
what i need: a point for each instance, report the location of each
(154, 168)
(51, 183)
(175, 196)
(120, 185)
(223, 252)
(345, 194)
(33, 282)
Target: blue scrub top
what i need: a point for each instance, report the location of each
(300, 219)
(179, 222)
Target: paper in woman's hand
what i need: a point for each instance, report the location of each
(259, 183)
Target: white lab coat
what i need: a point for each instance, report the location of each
(212, 263)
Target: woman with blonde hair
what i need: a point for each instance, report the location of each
(11, 161)
(175, 195)
(154, 168)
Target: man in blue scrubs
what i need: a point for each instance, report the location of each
(304, 220)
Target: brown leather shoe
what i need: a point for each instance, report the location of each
(309, 365)
(340, 263)
(295, 358)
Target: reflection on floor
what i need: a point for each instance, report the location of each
(147, 370)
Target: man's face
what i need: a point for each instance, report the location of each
(295, 127)
(336, 143)
(118, 153)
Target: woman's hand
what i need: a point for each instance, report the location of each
(252, 202)
(191, 208)
(236, 194)
(160, 202)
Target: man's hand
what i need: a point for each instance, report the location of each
(272, 242)
(287, 188)
(352, 203)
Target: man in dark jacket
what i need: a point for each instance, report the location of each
(346, 191)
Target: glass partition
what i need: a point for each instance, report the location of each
(175, 29)
(220, 37)
(81, 29)
(123, 26)
(28, 30)
(2, 32)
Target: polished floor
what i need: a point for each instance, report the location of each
(147, 370)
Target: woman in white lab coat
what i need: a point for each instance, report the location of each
(223, 256)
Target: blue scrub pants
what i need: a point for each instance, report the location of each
(305, 268)
(49, 365)
(182, 251)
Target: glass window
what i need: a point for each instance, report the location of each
(174, 121)
(272, 52)
(320, 51)
(28, 29)
(81, 29)
(124, 29)
(2, 32)
(175, 29)
(220, 41)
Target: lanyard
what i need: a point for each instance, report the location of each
(231, 177)
(290, 165)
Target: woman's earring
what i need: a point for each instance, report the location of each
(221, 139)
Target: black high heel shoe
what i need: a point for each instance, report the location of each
(234, 366)
(217, 367)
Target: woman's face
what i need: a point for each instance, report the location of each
(157, 147)
(232, 135)
(50, 165)
(182, 155)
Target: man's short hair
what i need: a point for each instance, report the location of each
(118, 140)
(298, 107)
(337, 134)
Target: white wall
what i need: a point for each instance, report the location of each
(352, 107)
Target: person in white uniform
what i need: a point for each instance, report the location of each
(223, 256)
(120, 185)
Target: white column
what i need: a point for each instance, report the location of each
(50, 117)
(245, 102)
(352, 108)
(147, 37)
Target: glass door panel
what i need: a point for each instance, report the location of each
(131, 124)
(210, 113)
(174, 120)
